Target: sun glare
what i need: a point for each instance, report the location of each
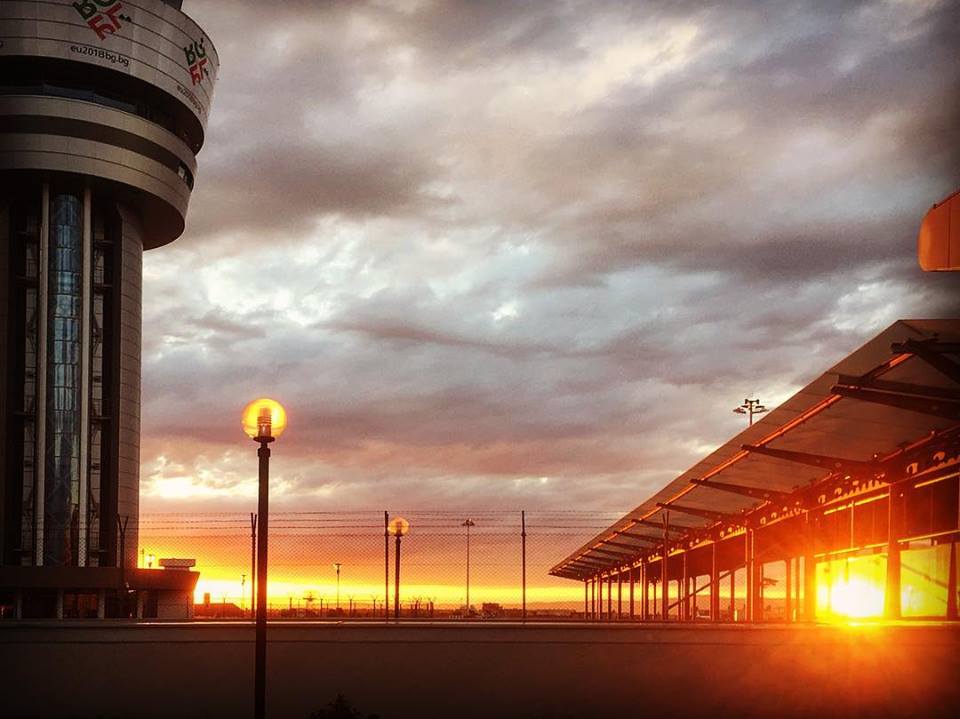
(851, 588)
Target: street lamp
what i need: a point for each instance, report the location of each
(468, 523)
(338, 565)
(263, 421)
(398, 527)
(750, 407)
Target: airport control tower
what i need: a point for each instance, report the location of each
(103, 106)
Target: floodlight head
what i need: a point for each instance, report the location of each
(264, 419)
(399, 526)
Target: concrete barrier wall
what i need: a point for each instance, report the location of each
(528, 672)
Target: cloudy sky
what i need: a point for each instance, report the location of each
(530, 254)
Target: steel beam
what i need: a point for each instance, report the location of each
(899, 387)
(657, 525)
(705, 513)
(770, 495)
(624, 545)
(642, 537)
(948, 408)
(833, 464)
(928, 352)
(611, 553)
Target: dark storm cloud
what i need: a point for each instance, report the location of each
(496, 250)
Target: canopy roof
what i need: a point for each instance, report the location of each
(820, 419)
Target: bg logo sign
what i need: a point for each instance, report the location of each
(103, 16)
(196, 57)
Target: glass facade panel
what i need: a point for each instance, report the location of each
(99, 395)
(27, 268)
(64, 328)
(924, 573)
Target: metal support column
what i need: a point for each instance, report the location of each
(892, 594)
(609, 581)
(809, 570)
(586, 599)
(693, 595)
(788, 590)
(733, 594)
(757, 557)
(633, 571)
(644, 592)
(748, 565)
(664, 575)
(620, 594)
(683, 610)
(655, 611)
(952, 582)
(593, 599)
(714, 584)
(600, 582)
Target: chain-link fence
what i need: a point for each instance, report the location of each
(484, 565)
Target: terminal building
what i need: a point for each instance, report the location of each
(103, 107)
(840, 504)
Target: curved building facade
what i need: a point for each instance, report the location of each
(103, 108)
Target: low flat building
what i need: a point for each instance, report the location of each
(841, 503)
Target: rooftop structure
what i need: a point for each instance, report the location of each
(842, 502)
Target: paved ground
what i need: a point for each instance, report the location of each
(482, 669)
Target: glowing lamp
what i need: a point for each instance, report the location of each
(399, 526)
(264, 419)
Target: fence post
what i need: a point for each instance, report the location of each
(386, 566)
(523, 561)
(122, 528)
(253, 564)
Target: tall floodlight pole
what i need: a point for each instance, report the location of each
(750, 407)
(337, 565)
(468, 523)
(398, 527)
(263, 420)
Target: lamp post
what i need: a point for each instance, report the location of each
(398, 527)
(468, 523)
(263, 421)
(337, 565)
(750, 407)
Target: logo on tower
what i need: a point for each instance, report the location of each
(197, 61)
(102, 16)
